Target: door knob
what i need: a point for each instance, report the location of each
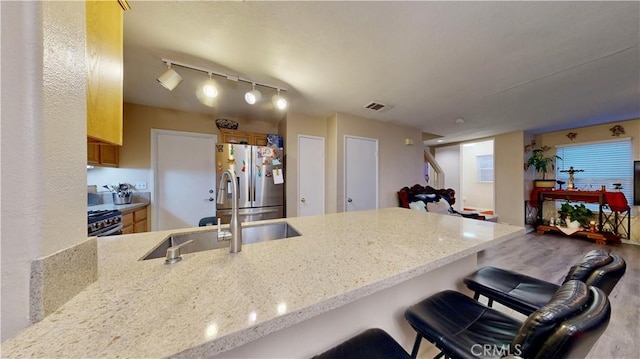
(303, 200)
(210, 191)
(210, 199)
(349, 200)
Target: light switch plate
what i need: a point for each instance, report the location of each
(141, 185)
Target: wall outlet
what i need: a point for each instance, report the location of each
(141, 185)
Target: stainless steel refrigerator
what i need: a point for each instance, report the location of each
(259, 171)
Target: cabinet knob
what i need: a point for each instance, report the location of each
(210, 199)
(349, 200)
(303, 200)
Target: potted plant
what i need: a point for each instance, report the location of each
(578, 212)
(543, 162)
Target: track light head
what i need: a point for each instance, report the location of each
(170, 79)
(209, 89)
(252, 96)
(279, 102)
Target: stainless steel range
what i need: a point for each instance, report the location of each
(104, 223)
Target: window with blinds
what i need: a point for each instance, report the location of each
(485, 168)
(604, 163)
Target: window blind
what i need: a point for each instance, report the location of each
(485, 168)
(604, 163)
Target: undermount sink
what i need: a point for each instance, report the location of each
(204, 241)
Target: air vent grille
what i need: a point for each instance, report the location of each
(376, 106)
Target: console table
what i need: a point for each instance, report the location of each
(614, 220)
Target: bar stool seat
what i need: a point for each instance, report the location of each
(527, 294)
(461, 327)
(515, 290)
(370, 344)
(455, 323)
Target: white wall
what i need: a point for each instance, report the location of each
(101, 176)
(473, 193)
(448, 157)
(43, 154)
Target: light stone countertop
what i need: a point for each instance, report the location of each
(213, 301)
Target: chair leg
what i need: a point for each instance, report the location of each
(490, 303)
(476, 296)
(416, 346)
(440, 355)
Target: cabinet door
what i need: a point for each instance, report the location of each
(104, 67)
(140, 214)
(93, 154)
(260, 139)
(109, 155)
(127, 230)
(127, 219)
(236, 137)
(140, 227)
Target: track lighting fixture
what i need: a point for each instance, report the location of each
(279, 102)
(209, 89)
(170, 78)
(252, 96)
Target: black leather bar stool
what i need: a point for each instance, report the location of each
(461, 327)
(607, 277)
(207, 221)
(370, 344)
(526, 294)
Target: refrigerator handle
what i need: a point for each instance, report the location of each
(251, 186)
(249, 190)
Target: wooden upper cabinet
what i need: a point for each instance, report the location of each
(109, 155)
(104, 70)
(260, 139)
(250, 138)
(103, 155)
(93, 154)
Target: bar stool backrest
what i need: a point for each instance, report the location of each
(570, 299)
(608, 276)
(591, 261)
(576, 336)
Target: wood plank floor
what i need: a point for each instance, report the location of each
(549, 257)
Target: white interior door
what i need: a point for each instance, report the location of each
(184, 178)
(311, 175)
(361, 173)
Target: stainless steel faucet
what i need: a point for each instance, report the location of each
(235, 227)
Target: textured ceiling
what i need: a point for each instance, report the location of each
(501, 66)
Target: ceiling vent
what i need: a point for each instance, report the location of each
(377, 106)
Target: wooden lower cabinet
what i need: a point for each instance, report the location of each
(135, 221)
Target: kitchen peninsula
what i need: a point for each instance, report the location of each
(291, 297)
